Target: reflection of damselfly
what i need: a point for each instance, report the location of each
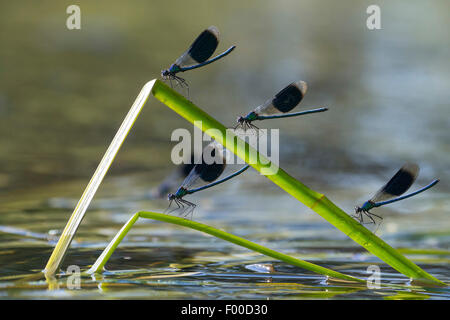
(398, 185)
(196, 56)
(207, 172)
(276, 108)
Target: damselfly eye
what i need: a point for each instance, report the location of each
(198, 53)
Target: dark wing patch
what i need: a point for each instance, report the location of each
(210, 172)
(288, 98)
(186, 168)
(399, 183)
(204, 46)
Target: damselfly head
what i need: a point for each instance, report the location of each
(171, 196)
(241, 120)
(170, 73)
(248, 118)
(366, 206)
(242, 123)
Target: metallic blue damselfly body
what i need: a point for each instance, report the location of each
(395, 187)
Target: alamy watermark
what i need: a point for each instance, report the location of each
(373, 21)
(73, 21)
(74, 278)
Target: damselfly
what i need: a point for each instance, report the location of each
(196, 56)
(395, 187)
(173, 179)
(205, 172)
(277, 107)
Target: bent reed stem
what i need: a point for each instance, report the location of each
(106, 254)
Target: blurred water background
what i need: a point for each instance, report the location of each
(64, 93)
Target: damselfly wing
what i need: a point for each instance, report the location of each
(201, 49)
(399, 183)
(284, 101)
(279, 106)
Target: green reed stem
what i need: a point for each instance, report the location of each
(60, 250)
